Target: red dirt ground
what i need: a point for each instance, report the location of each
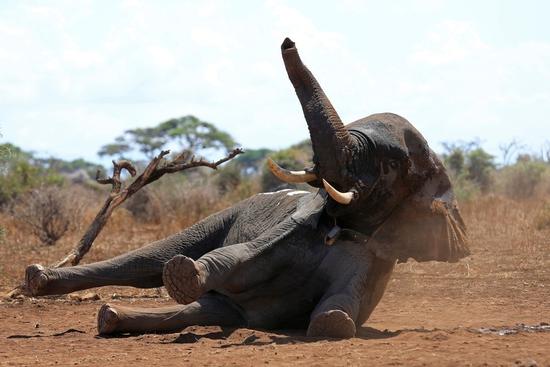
(439, 314)
(431, 328)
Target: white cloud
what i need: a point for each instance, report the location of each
(50, 14)
(451, 42)
(291, 22)
(74, 65)
(483, 90)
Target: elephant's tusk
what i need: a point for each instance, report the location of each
(340, 197)
(289, 176)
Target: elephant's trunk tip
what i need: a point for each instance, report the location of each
(288, 44)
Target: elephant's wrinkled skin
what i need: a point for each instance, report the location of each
(266, 261)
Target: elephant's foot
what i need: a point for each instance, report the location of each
(182, 278)
(35, 279)
(332, 324)
(107, 319)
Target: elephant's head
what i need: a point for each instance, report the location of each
(381, 177)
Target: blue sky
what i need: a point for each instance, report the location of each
(76, 74)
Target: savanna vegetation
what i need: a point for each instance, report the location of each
(45, 201)
(46, 204)
(51, 197)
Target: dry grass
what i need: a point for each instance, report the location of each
(542, 218)
(508, 244)
(48, 212)
(510, 256)
(431, 306)
(170, 208)
(506, 281)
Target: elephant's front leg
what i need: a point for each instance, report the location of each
(357, 280)
(336, 313)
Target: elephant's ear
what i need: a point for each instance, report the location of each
(427, 225)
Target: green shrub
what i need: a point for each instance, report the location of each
(464, 188)
(297, 157)
(470, 165)
(228, 178)
(20, 173)
(520, 181)
(480, 168)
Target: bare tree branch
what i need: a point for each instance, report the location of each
(509, 149)
(154, 170)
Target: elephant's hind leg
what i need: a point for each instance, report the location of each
(132, 269)
(140, 268)
(35, 278)
(211, 309)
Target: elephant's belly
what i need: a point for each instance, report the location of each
(291, 311)
(283, 302)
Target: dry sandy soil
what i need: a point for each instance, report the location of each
(490, 309)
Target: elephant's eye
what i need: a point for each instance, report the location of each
(394, 164)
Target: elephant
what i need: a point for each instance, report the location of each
(318, 261)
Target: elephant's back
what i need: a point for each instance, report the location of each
(262, 212)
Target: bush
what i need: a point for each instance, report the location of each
(296, 157)
(542, 219)
(19, 173)
(464, 188)
(228, 178)
(480, 168)
(471, 166)
(522, 179)
(176, 199)
(144, 206)
(49, 211)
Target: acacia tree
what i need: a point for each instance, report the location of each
(194, 135)
(117, 149)
(189, 133)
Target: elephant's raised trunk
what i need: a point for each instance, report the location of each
(329, 137)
